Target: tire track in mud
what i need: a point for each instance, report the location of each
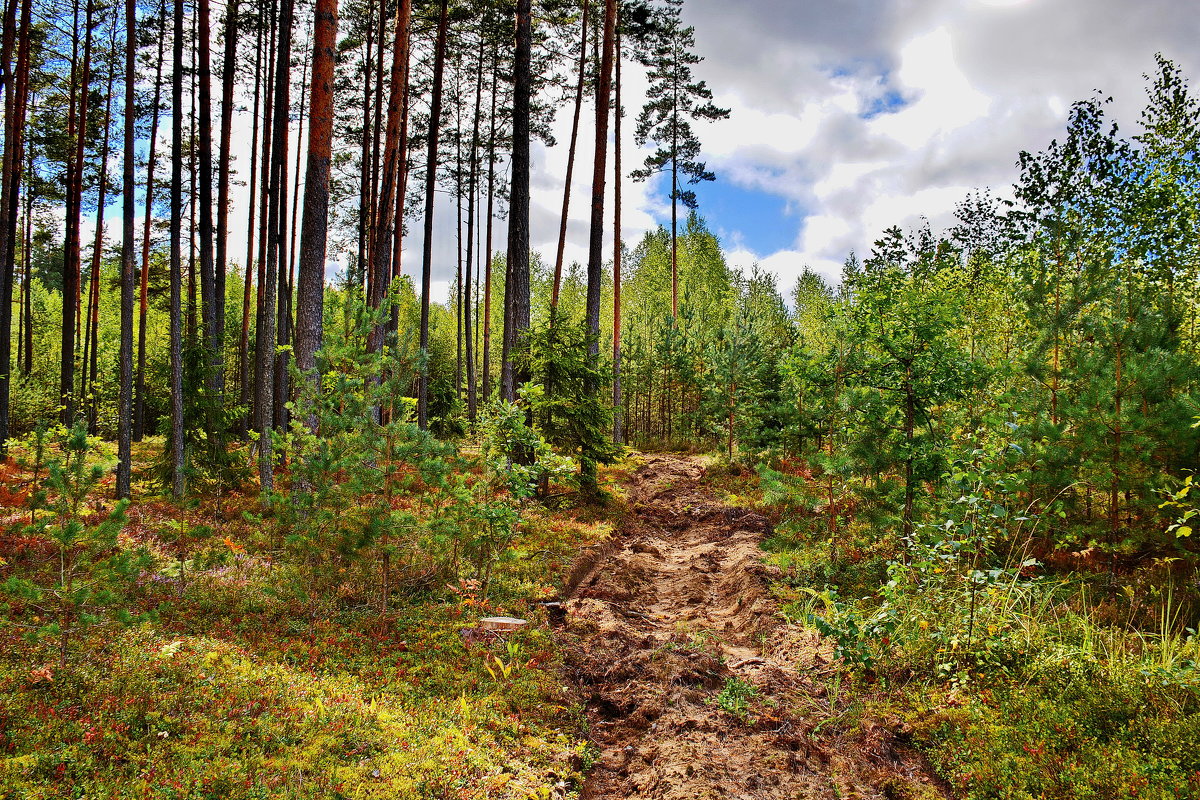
(667, 615)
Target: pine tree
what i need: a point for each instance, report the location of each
(673, 101)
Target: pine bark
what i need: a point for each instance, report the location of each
(16, 92)
(431, 164)
(176, 332)
(599, 174)
(77, 134)
(515, 367)
(139, 414)
(92, 326)
(472, 191)
(310, 301)
(386, 219)
(228, 76)
(618, 400)
(487, 265)
(128, 263)
(208, 281)
(276, 231)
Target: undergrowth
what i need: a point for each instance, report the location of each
(1016, 680)
(247, 663)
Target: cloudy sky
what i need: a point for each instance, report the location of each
(849, 116)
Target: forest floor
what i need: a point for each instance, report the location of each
(694, 687)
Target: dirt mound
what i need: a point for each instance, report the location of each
(694, 688)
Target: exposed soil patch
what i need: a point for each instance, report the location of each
(693, 685)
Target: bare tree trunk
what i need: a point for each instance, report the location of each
(77, 134)
(595, 267)
(139, 415)
(276, 227)
(128, 262)
(264, 231)
(208, 280)
(177, 486)
(88, 378)
(618, 401)
(599, 174)
(566, 204)
(16, 86)
(386, 220)
(310, 303)
(487, 264)
(27, 257)
(472, 190)
(228, 76)
(431, 163)
(364, 160)
(287, 279)
(515, 369)
(244, 371)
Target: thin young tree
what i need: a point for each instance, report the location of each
(673, 100)
(566, 204)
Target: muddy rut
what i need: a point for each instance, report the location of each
(694, 687)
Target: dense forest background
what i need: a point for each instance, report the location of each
(973, 429)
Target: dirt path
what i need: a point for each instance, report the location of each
(672, 618)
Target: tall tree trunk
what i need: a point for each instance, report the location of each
(139, 415)
(77, 134)
(192, 302)
(266, 197)
(459, 191)
(600, 173)
(566, 203)
(88, 378)
(310, 302)
(16, 92)
(27, 258)
(128, 262)
(287, 278)
(276, 227)
(472, 191)
(515, 367)
(431, 164)
(618, 401)
(228, 76)
(587, 471)
(386, 221)
(376, 126)
(364, 161)
(176, 386)
(487, 264)
(244, 371)
(208, 280)
(401, 186)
